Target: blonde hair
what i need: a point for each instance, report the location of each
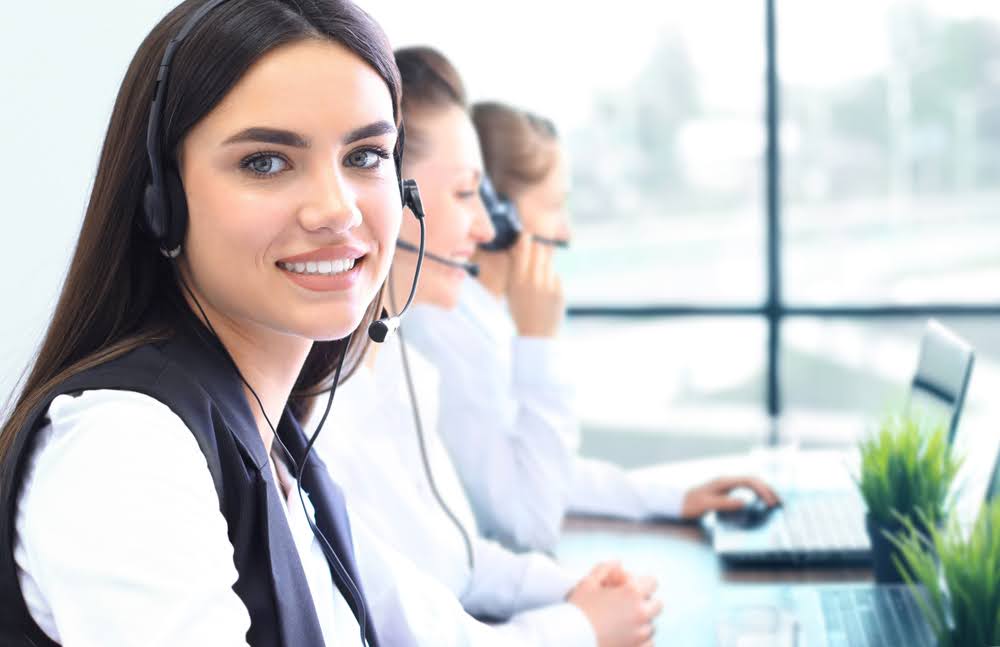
(519, 147)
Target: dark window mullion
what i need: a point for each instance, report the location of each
(773, 302)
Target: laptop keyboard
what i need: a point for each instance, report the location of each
(873, 617)
(821, 522)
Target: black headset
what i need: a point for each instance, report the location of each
(506, 224)
(165, 218)
(506, 221)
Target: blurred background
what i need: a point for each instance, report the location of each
(764, 217)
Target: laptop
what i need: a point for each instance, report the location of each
(831, 615)
(827, 527)
(826, 615)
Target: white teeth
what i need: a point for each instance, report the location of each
(328, 268)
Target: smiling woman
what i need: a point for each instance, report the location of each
(442, 155)
(239, 231)
(272, 183)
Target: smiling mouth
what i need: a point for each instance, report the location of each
(321, 268)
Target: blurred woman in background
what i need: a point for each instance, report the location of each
(386, 453)
(506, 403)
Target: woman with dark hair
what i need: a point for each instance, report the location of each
(505, 394)
(387, 454)
(238, 234)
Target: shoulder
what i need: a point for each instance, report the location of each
(105, 418)
(100, 442)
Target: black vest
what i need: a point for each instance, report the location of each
(192, 375)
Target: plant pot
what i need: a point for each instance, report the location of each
(883, 567)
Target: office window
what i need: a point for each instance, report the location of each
(891, 168)
(668, 375)
(702, 302)
(839, 375)
(668, 166)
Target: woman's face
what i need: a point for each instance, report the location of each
(543, 207)
(292, 194)
(448, 171)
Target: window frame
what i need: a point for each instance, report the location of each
(774, 309)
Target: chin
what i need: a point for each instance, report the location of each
(445, 299)
(331, 328)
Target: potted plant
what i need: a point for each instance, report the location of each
(907, 469)
(955, 578)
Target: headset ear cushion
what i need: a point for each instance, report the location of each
(411, 198)
(176, 224)
(154, 211)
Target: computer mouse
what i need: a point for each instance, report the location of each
(754, 512)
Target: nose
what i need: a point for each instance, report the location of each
(482, 230)
(332, 204)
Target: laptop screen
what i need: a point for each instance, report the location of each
(944, 367)
(930, 406)
(994, 488)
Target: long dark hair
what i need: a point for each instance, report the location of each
(120, 292)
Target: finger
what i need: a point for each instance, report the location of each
(645, 633)
(544, 266)
(726, 504)
(555, 286)
(537, 269)
(723, 483)
(652, 608)
(521, 254)
(753, 483)
(613, 575)
(646, 585)
(603, 569)
(764, 491)
(614, 579)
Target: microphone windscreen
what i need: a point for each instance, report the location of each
(378, 331)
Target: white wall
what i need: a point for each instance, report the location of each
(61, 62)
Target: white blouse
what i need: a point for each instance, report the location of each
(370, 444)
(120, 539)
(508, 419)
(120, 542)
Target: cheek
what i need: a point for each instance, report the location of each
(409, 229)
(448, 229)
(233, 220)
(382, 216)
(531, 217)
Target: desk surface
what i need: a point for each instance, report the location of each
(668, 550)
(692, 580)
(696, 589)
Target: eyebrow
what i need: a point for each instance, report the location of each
(269, 136)
(295, 140)
(373, 129)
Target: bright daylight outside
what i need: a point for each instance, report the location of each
(890, 191)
